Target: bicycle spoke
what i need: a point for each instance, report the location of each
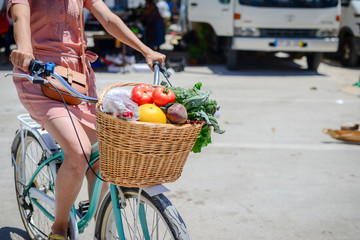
(31, 158)
(124, 213)
(155, 222)
(36, 222)
(133, 210)
(155, 227)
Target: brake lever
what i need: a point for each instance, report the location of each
(33, 79)
(158, 68)
(164, 72)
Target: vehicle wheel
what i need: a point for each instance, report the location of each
(231, 56)
(232, 60)
(314, 60)
(162, 221)
(348, 56)
(36, 223)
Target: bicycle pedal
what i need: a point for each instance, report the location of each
(83, 207)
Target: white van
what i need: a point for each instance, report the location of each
(349, 35)
(301, 28)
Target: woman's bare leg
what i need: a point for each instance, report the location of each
(71, 173)
(90, 176)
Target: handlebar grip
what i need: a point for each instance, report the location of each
(161, 69)
(38, 80)
(157, 69)
(156, 64)
(36, 67)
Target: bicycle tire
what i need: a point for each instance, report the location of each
(36, 223)
(162, 218)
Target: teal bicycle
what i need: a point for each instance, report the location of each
(124, 213)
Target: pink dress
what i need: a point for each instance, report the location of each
(55, 37)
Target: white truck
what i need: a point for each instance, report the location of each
(296, 27)
(349, 35)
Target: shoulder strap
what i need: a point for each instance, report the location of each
(82, 36)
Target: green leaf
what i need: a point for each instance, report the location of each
(196, 101)
(216, 126)
(198, 85)
(203, 139)
(199, 108)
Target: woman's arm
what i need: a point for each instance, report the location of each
(22, 56)
(117, 28)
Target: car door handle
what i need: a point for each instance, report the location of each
(194, 4)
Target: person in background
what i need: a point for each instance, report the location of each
(153, 25)
(50, 31)
(176, 10)
(171, 4)
(164, 13)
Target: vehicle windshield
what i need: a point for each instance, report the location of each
(290, 3)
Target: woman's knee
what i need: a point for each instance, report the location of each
(62, 131)
(76, 158)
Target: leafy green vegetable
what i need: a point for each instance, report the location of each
(199, 108)
(203, 139)
(182, 94)
(211, 106)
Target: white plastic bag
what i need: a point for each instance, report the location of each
(117, 102)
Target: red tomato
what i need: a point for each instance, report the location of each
(163, 96)
(142, 94)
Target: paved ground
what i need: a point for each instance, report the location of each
(272, 176)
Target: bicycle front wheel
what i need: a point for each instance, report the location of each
(158, 218)
(37, 224)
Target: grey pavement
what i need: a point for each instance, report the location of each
(272, 176)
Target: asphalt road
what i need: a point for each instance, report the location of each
(272, 176)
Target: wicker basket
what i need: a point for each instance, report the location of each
(138, 154)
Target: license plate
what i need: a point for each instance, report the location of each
(289, 43)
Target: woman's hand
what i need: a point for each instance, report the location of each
(21, 59)
(151, 57)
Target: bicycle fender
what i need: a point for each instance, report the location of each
(43, 136)
(155, 190)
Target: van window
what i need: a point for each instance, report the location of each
(290, 3)
(225, 1)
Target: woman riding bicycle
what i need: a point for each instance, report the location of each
(50, 31)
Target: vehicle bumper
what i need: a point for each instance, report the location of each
(285, 44)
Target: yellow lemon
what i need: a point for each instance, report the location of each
(151, 113)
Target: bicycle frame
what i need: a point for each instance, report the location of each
(54, 156)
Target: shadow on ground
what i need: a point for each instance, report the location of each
(264, 65)
(335, 63)
(10, 233)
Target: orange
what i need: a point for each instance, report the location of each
(151, 113)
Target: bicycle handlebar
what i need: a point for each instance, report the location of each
(33, 79)
(38, 71)
(157, 69)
